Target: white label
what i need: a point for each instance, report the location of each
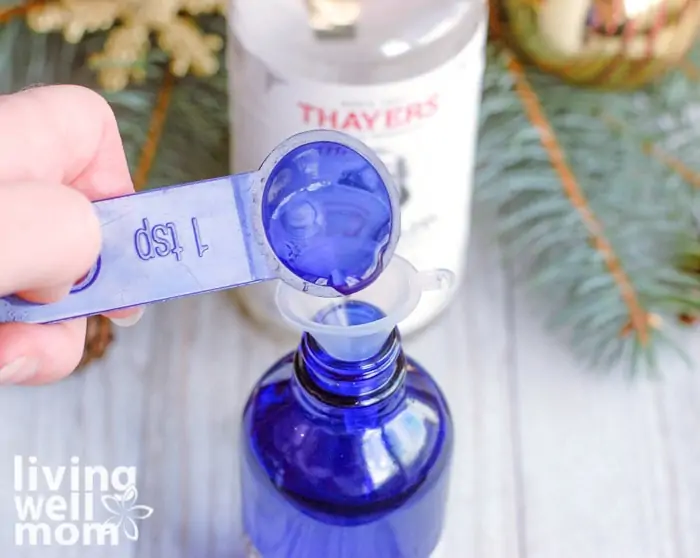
(424, 129)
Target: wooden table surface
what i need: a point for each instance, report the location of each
(551, 462)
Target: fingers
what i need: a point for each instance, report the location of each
(37, 354)
(125, 318)
(59, 149)
(50, 239)
(63, 134)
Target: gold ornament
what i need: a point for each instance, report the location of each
(128, 44)
(611, 44)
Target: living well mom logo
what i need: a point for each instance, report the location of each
(60, 506)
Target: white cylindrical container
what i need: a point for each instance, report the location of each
(404, 76)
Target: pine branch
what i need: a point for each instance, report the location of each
(639, 204)
(194, 139)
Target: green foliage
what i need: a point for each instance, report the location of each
(645, 208)
(195, 140)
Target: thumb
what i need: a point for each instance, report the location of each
(49, 238)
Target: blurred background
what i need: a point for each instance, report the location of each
(545, 151)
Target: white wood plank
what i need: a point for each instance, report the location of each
(91, 416)
(592, 457)
(678, 407)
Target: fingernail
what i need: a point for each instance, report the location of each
(128, 321)
(18, 371)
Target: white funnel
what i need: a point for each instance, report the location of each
(355, 327)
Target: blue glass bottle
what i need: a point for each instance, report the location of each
(345, 459)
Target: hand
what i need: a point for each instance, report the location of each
(59, 148)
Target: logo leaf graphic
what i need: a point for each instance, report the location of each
(141, 512)
(131, 530)
(130, 496)
(113, 504)
(125, 511)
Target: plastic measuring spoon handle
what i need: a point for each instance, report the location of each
(321, 214)
(158, 245)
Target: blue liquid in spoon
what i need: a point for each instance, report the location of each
(328, 216)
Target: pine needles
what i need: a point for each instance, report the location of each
(601, 230)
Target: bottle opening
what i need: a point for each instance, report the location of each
(356, 327)
(349, 313)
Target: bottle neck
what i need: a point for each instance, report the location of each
(331, 385)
